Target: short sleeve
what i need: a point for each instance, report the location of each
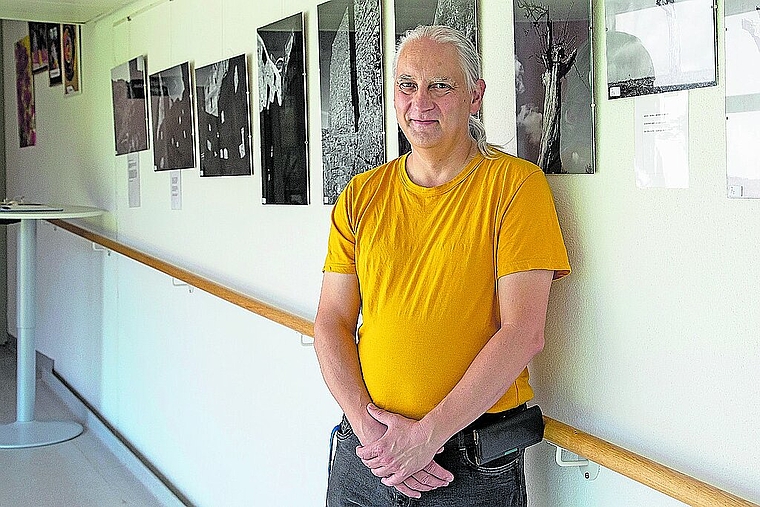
(529, 235)
(342, 239)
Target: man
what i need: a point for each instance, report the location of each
(448, 253)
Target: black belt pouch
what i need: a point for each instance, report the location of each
(509, 435)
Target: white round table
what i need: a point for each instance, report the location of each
(26, 432)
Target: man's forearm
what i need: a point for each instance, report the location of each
(488, 377)
(339, 362)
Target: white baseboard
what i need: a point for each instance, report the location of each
(93, 423)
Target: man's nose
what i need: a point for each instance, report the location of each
(422, 99)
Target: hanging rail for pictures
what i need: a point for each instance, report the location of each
(638, 468)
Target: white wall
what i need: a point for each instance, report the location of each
(652, 342)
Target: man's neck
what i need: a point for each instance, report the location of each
(432, 167)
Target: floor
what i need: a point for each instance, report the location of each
(79, 473)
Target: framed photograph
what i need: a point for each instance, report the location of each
(54, 54)
(351, 86)
(657, 46)
(224, 121)
(554, 85)
(27, 123)
(742, 22)
(38, 46)
(71, 59)
(171, 110)
(130, 106)
(459, 14)
(282, 112)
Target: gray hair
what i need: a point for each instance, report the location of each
(469, 61)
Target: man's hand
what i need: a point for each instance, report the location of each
(429, 478)
(402, 453)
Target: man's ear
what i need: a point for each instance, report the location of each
(477, 96)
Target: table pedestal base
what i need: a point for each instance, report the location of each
(20, 435)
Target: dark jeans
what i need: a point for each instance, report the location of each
(500, 483)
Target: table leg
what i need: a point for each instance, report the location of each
(26, 432)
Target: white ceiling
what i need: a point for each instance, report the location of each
(59, 11)
(82, 11)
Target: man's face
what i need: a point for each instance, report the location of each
(432, 102)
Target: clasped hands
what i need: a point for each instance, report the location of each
(402, 456)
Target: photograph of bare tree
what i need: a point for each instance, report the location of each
(553, 84)
(459, 14)
(171, 109)
(224, 123)
(351, 85)
(130, 106)
(282, 112)
(657, 46)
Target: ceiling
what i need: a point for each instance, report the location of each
(82, 11)
(59, 11)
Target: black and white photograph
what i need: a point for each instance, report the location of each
(459, 14)
(351, 85)
(224, 122)
(171, 110)
(282, 112)
(658, 46)
(553, 85)
(130, 106)
(742, 79)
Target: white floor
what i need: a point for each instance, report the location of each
(79, 473)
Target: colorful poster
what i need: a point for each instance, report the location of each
(71, 61)
(54, 54)
(27, 130)
(38, 46)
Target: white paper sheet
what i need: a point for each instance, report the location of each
(133, 179)
(662, 140)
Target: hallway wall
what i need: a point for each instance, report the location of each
(652, 342)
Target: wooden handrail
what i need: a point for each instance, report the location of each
(650, 473)
(299, 324)
(638, 468)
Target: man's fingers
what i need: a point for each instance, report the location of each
(406, 490)
(438, 471)
(416, 485)
(429, 480)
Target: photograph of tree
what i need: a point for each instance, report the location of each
(224, 123)
(27, 123)
(282, 112)
(742, 79)
(459, 14)
(130, 106)
(351, 84)
(553, 85)
(657, 46)
(171, 109)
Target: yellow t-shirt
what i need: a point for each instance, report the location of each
(428, 259)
